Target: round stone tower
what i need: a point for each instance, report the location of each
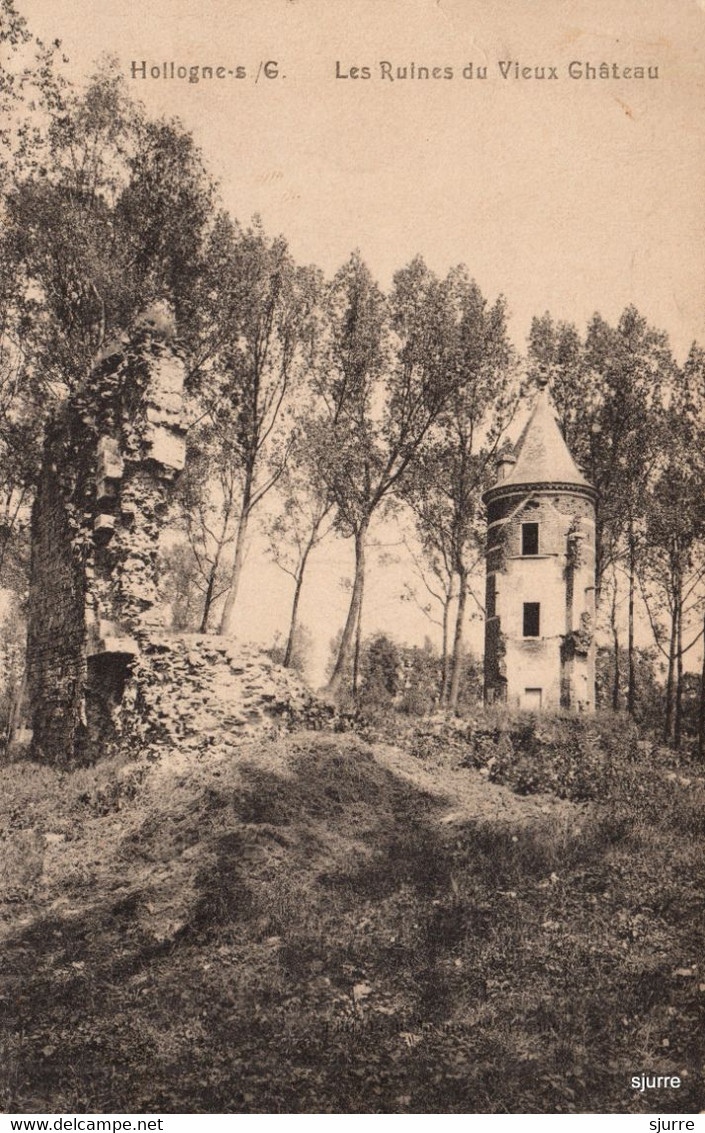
(539, 630)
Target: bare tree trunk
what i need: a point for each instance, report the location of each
(598, 557)
(288, 652)
(213, 573)
(445, 667)
(631, 686)
(356, 658)
(17, 706)
(227, 621)
(4, 544)
(443, 694)
(615, 638)
(208, 600)
(668, 717)
(346, 642)
(457, 664)
(295, 607)
(701, 707)
(677, 729)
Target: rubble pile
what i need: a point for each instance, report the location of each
(200, 690)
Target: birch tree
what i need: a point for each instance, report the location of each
(302, 522)
(108, 218)
(609, 393)
(456, 464)
(383, 384)
(671, 559)
(251, 337)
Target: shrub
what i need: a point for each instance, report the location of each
(381, 670)
(570, 757)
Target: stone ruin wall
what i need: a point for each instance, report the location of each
(110, 457)
(204, 693)
(101, 668)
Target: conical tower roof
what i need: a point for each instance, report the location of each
(541, 454)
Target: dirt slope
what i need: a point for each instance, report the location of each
(312, 924)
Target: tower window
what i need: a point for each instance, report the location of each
(529, 538)
(532, 619)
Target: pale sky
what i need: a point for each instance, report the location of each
(568, 195)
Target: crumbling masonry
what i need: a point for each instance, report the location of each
(102, 670)
(110, 458)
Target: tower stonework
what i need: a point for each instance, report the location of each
(540, 598)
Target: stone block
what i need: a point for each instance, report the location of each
(109, 462)
(105, 490)
(106, 637)
(165, 447)
(103, 528)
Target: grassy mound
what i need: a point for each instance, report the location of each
(313, 924)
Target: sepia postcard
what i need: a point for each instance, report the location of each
(352, 560)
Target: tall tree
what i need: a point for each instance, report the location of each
(671, 559)
(557, 351)
(297, 528)
(445, 492)
(31, 90)
(21, 417)
(207, 500)
(349, 437)
(383, 382)
(609, 393)
(104, 211)
(253, 346)
(110, 220)
(434, 570)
